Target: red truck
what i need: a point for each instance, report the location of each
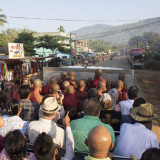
(136, 58)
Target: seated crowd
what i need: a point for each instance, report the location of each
(70, 119)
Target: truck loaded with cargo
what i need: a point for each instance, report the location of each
(136, 58)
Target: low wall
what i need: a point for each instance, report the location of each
(86, 73)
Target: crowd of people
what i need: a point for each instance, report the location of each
(69, 119)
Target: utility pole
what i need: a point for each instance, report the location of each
(71, 44)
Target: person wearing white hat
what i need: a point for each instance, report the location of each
(108, 115)
(45, 124)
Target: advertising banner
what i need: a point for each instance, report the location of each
(16, 50)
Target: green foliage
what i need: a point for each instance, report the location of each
(147, 39)
(10, 34)
(152, 54)
(49, 42)
(101, 45)
(136, 42)
(153, 64)
(61, 29)
(2, 19)
(28, 42)
(3, 40)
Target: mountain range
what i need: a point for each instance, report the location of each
(118, 34)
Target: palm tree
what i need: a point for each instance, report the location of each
(2, 19)
(61, 29)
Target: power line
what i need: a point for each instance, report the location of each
(119, 31)
(71, 20)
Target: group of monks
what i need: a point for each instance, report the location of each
(72, 92)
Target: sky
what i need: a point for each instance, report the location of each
(108, 10)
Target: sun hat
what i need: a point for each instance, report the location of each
(50, 105)
(145, 112)
(104, 97)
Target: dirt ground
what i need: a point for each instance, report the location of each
(149, 82)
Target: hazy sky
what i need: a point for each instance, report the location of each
(110, 10)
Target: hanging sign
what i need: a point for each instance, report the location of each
(16, 50)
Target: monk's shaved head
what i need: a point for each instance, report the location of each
(81, 84)
(99, 140)
(121, 77)
(54, 88)
(119, 84)
(101, 85)
(53, 80)
(63, 75)
(65, 84)
(70, 89)
(98, 73)
(71, 75)
(37, 83)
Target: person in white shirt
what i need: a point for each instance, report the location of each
(45, 124)
(136, 138)
(44, 148)
(126, 105)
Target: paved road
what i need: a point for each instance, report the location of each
(118, 62)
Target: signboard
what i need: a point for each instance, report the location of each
(16, 50)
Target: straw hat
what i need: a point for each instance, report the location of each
(145, 112)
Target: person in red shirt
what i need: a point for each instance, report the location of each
(121, 93)
(47, 87)
(101, 88)
(16, 92)
(71, 79)
(97, 78)
(81, 93)
(63, 77)
(16, 95)
(35, 95)
(70, 99)
(64, 87)
(122, 77)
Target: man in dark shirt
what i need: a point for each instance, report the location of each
(29, 110)
(107, 115)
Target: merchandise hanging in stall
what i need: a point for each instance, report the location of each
(3, 70)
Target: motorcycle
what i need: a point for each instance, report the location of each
(85, 63)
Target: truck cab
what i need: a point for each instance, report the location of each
(137, 58)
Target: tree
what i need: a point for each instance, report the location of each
(100, 45)
(137, 42)
(2, 18)
(61, 29)
(3, 40)
(49, 42)
(10, 34)
(28, 42)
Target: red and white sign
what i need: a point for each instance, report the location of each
(16, 50)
